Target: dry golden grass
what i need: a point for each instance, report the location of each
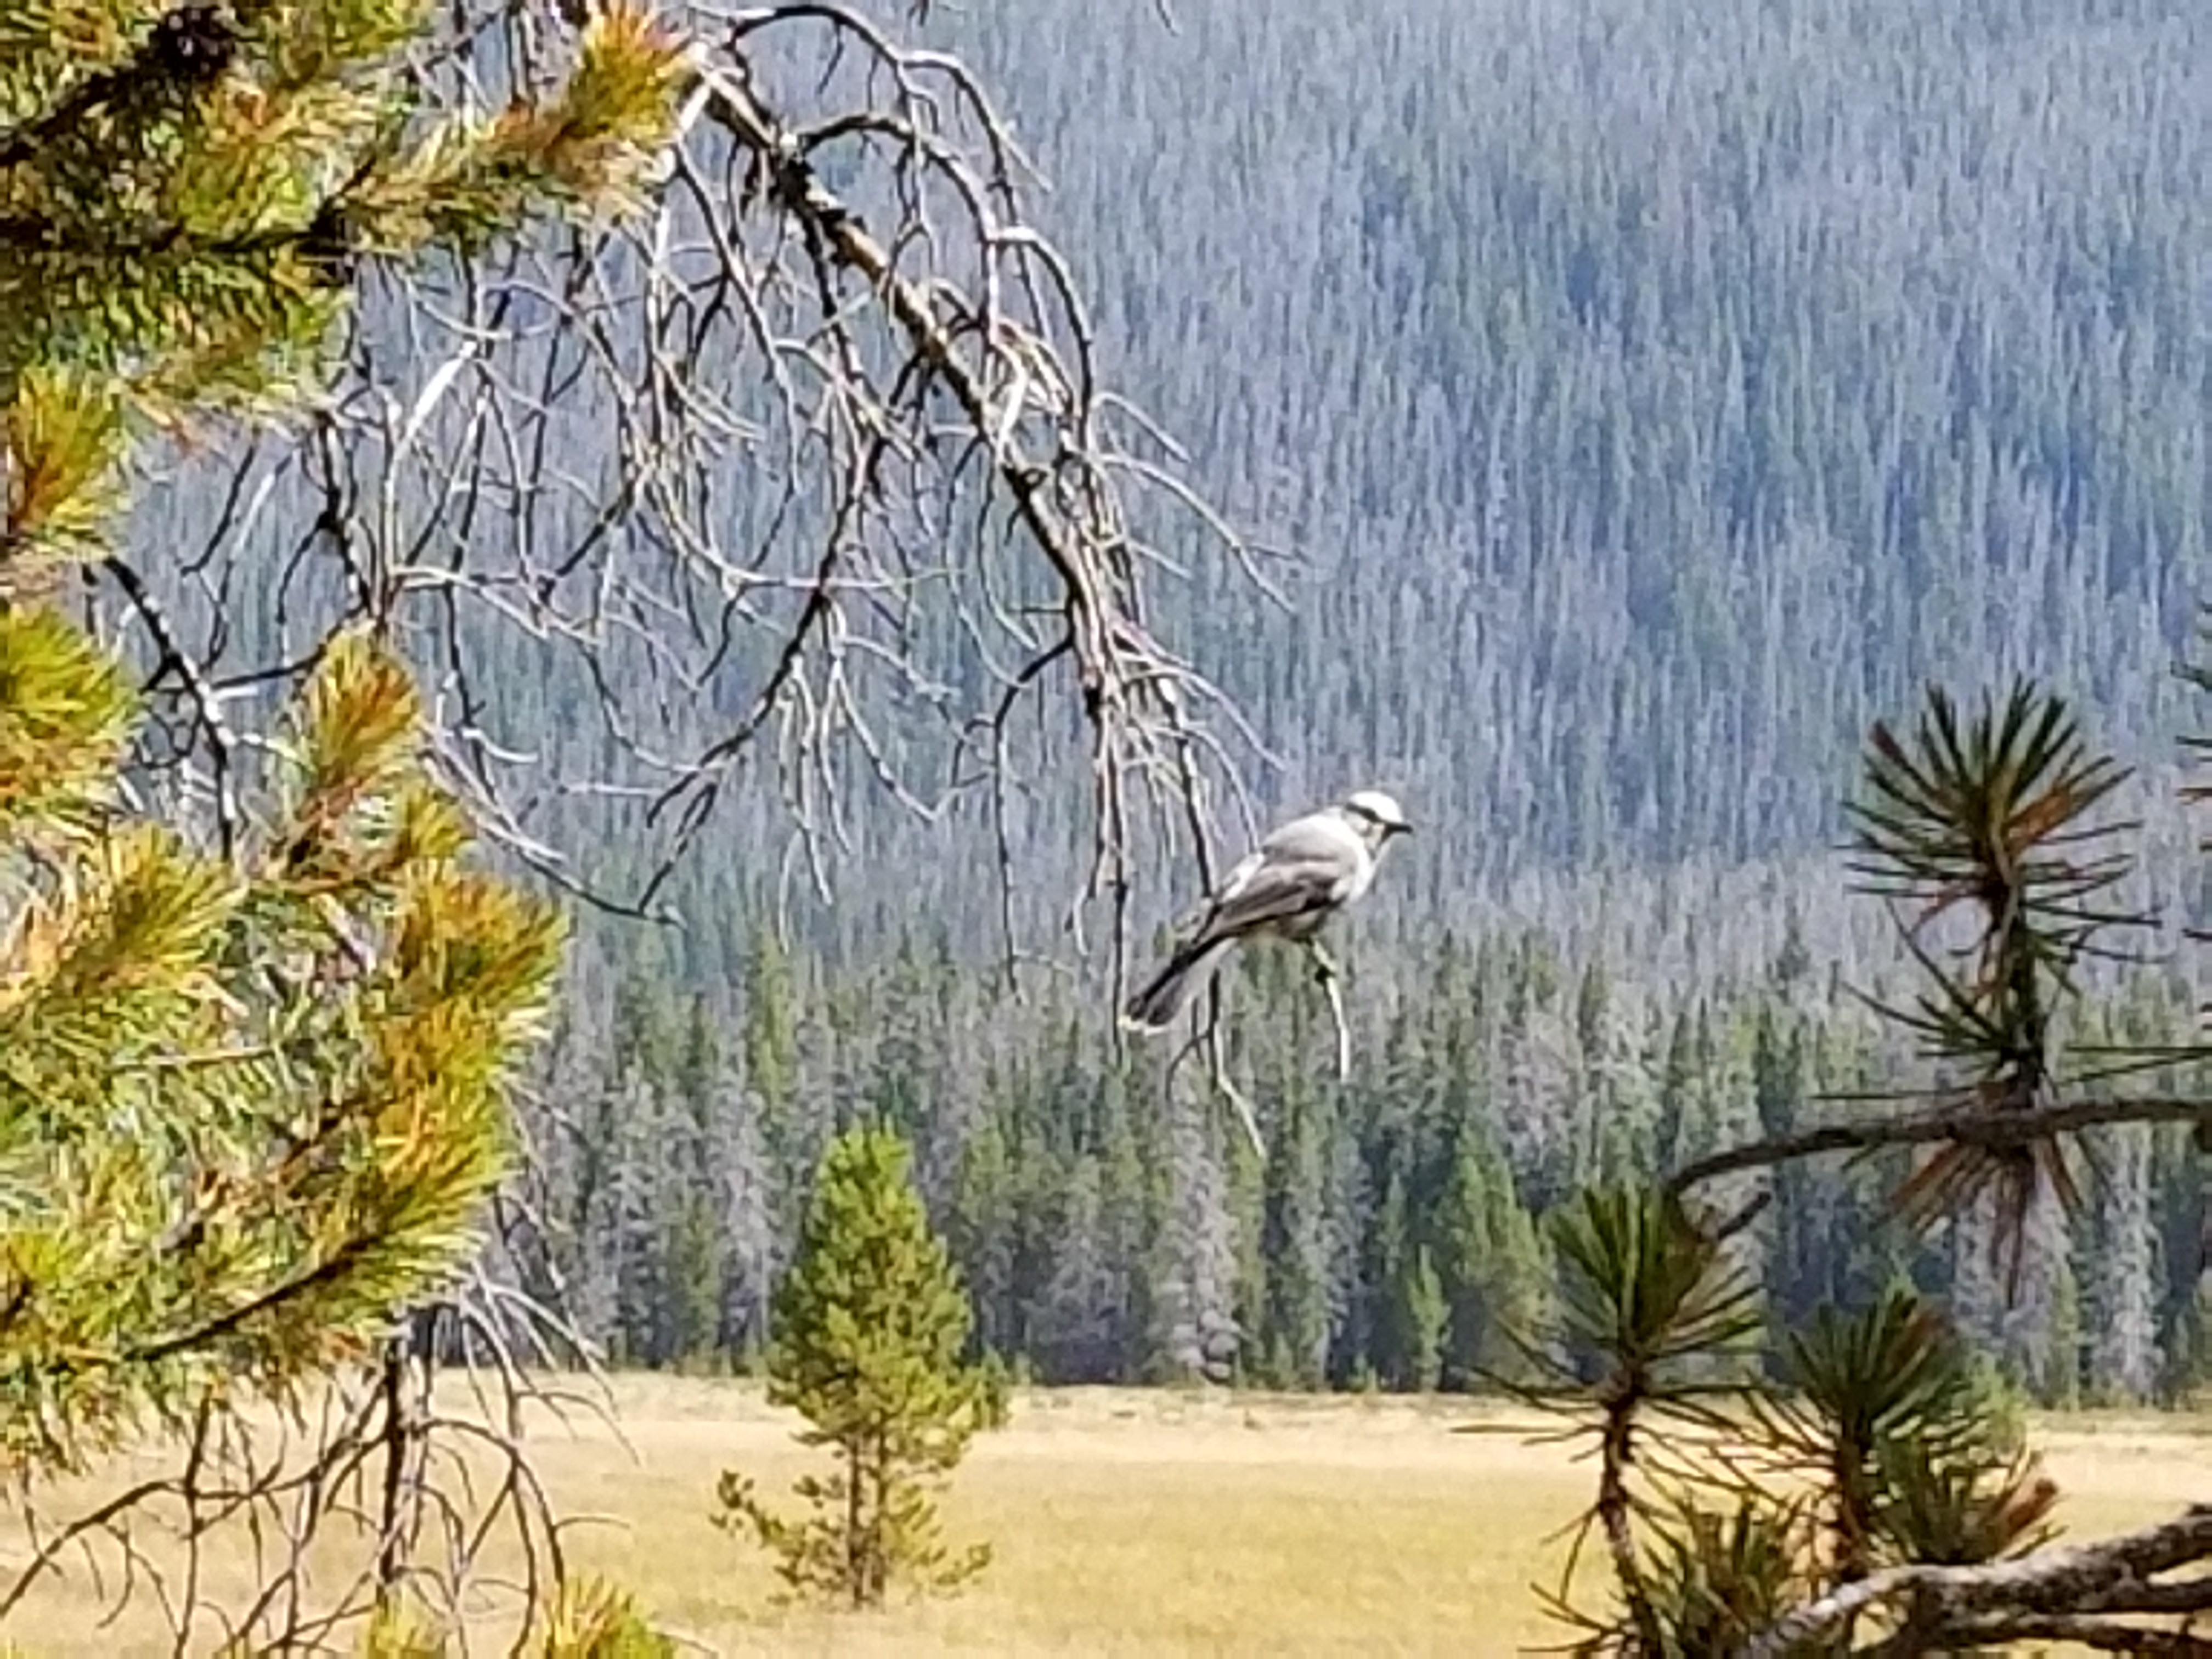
(1155, 1523)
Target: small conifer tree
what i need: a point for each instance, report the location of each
(871, 1324)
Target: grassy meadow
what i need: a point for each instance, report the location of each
(1151, 1522)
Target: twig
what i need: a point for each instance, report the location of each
(1326, 976)
(1208, 1036)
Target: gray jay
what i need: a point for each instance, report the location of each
(1287, 888)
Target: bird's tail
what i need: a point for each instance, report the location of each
(1169, 991)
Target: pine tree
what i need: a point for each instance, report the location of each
(1194, 1273)
(257, 1054)
(982, 1226)
(1463, 1255)
(1293, 1322)
(260, 1053)
(768, 1028)
(2189, 1361)
(1132, 1200)
(1518, 1289)
(690, 1269)
(1423, 1317)
(2059, 1384)
(871, 1324)
(2123, 1355)
(743, 1203)
(1073, 1328)
(1399, 1327)
(259, 1106)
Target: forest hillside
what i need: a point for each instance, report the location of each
(1642, 398)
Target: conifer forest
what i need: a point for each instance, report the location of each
(1630, 402)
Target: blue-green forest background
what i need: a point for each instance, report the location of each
(1655, 393)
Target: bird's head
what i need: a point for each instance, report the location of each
(1375, 816)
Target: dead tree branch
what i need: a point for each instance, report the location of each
(810, 477)
(1963, 1126)
(2079, 1581)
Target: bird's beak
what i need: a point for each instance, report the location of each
(1402, 829)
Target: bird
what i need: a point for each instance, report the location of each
(1287, 888)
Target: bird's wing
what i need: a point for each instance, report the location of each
(1232, 884)
(1309, 864)
(1278, 893)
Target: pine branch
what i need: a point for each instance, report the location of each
(2110, 1577)
(332, 1269)
(189, 48)
(1992, 816)
(1964, 1125)
(321, 239)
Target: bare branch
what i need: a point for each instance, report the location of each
(1960, 1125)
(2099, 1634)
(1326, 975)
(816, 484)
(2111, 1575)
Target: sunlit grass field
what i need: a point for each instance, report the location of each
(1153, 1523)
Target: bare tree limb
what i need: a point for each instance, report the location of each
(2099, 1634)
(2111, 1576)
(1963, 1125)
(809, 475)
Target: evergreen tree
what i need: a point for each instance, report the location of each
(1076, 1326)
(1423, 1317)
(870, 1327)
(744, 1195)
(1293, 1262)
(1399, 1311)
(1133, 1204)
(691, 1268)
(1678, 1083)
(982, 1223)
(347, 1007)
(769, 1025)
(2059, 1383)
(1490, 1266)
(2189, 1356)
(2124, 1363)
(1193, 1271)
(260, 1049)
(1464, 1253)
